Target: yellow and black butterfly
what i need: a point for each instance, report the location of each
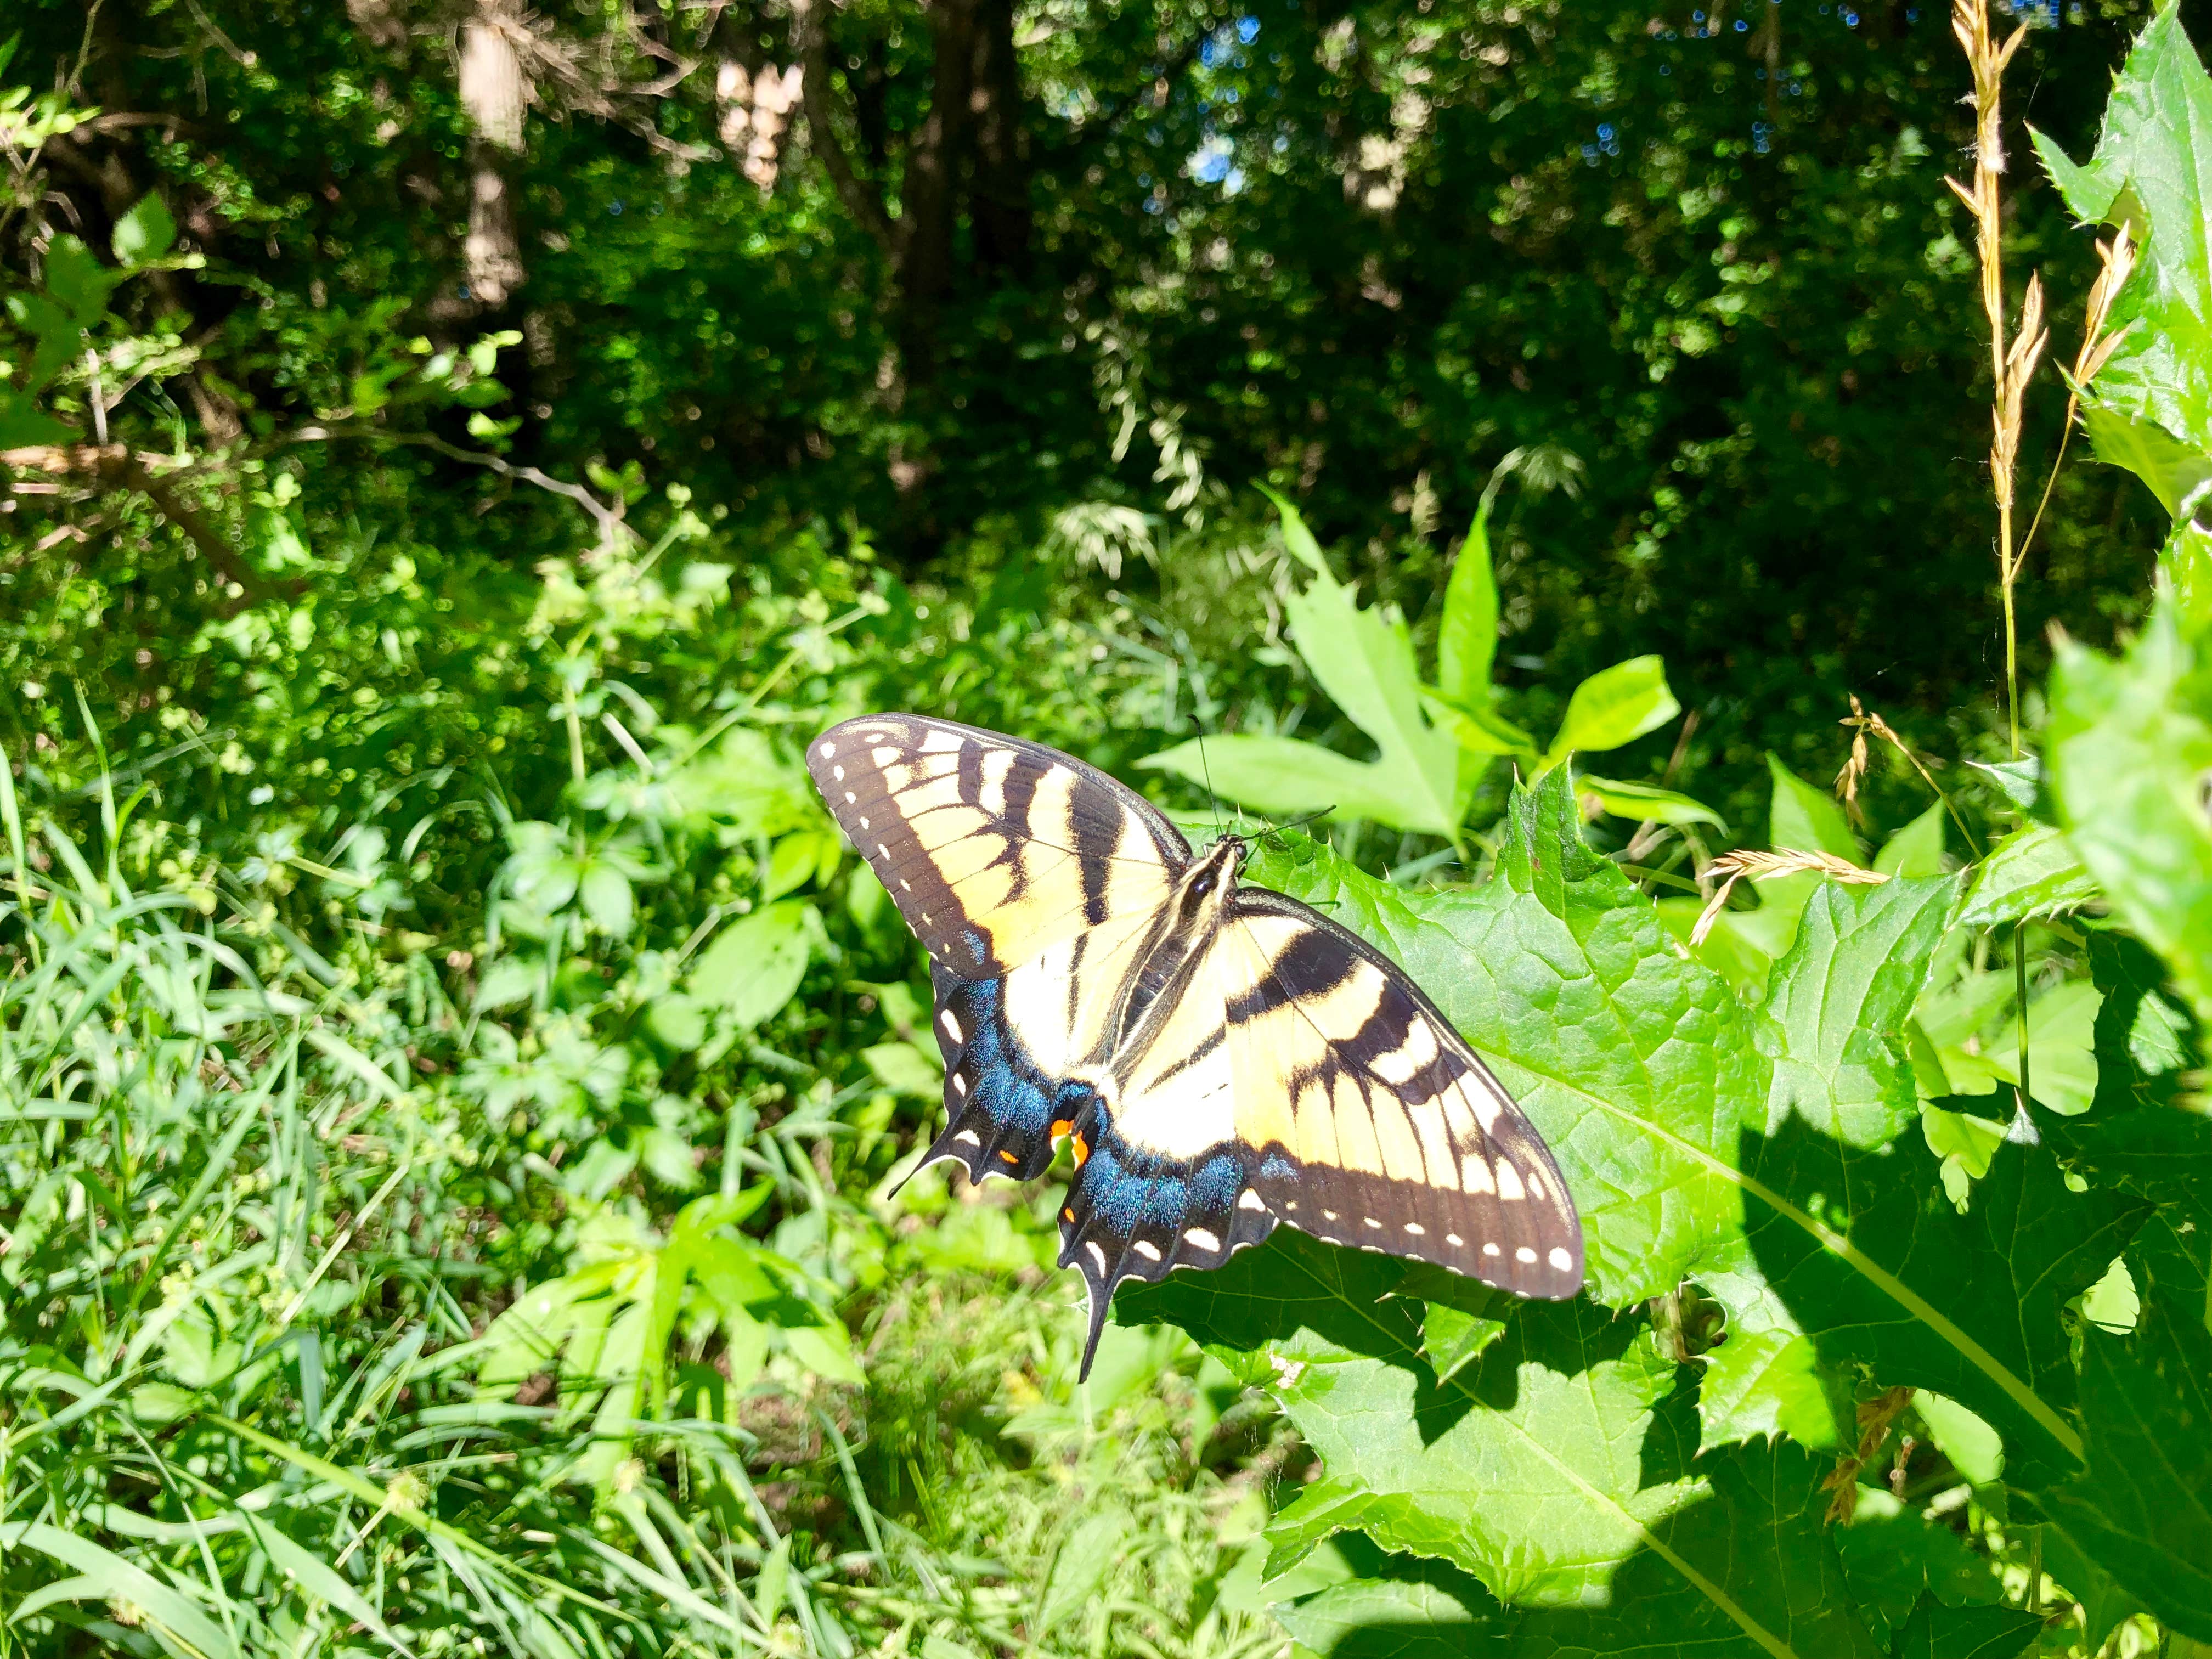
(1220, 1057)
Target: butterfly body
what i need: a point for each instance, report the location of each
(1219, 1057)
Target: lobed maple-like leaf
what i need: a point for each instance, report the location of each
(1865, 1255)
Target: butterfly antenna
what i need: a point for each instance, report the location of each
(1300, 823)
(1215, 801)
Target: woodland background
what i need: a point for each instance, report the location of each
(455, 453)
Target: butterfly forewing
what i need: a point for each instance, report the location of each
(992, 849)
(1373, 1123)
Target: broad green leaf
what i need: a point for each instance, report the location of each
(2142, 1509)
(678, 1020)
(1635, 1066)
(756, 966)
(605, 893)
(2185, 568)
(1936, 1631)
(145, 233)
(2130, 745)
(1440, 1616)
(1614, 705)
(1642, 803)
(1917, 849)
(826, 1351)
(1480, 729)
(1833, 1023)
(1976, 1449)
(75, 277)
(2061, 1061)
(2145, 1133)
(1363, 658)
(1467, 641)
(906, 1068)
(2173, 469)
(1750, 1571)
(1557, 1468)
(1867, 1255)
(2019, 782)
(1804, 819)
(2032, 873)
(22, 424)
(2153, 172)
(1807, 819)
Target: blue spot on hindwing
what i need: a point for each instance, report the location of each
(1002, 1081)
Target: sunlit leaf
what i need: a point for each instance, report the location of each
(1614, 705)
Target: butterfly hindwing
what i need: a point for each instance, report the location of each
(992, 850)
(1162, 1180)
(1016, 1047)
(1372, 1122)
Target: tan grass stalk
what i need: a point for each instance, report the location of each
(1732, 867)
(2116, 262)
(1863, 724)
(2012, 365)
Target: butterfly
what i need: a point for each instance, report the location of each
(1220, 1057)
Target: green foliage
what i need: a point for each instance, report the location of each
(1435, 742)
(2150, 398)
(452, 1082)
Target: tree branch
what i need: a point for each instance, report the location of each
(115, 466)
(614, 528)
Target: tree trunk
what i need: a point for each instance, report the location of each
(998, 202)
(495, 93)
(931, 188)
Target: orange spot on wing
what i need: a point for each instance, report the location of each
(1061, 1126)
(1009, 1157)
(1067, 1215)
(1082, 1150)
